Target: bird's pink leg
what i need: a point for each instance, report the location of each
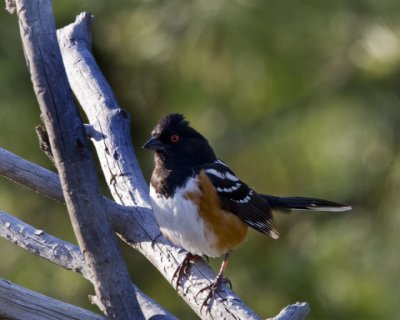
(214, 286)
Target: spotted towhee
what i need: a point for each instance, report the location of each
(200, 204)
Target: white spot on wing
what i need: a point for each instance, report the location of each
(246, 199)
(218, 161)
(231, 189)
(216, 173)
(231, 177)
(236, 186)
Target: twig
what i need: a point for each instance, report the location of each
(44, 142)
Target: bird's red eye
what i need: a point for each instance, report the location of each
(175, 138)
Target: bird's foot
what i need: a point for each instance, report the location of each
(213, 289)
(184, 267)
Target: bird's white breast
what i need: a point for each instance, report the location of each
(180, 222)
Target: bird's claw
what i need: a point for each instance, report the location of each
(184, 267)
(214, 288)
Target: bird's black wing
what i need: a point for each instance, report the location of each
(238, 198)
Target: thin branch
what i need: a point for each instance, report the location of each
(19, 303)
(37, 241)
(30, 175)
(63, 254)
(74, 162)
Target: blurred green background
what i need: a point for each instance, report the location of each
(300, 98)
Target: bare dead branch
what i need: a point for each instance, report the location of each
(63, 254)
(74, 162)
(103, 110)
(42, 244)
(19, 303)
(48, 184)
(30, 175)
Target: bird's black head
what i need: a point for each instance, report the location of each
(176, 143)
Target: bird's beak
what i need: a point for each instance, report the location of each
(153, 144)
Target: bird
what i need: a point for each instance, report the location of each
(201, 205)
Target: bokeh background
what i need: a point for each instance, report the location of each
(300, 98)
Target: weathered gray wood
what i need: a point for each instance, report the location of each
(125, 177)
(48, 184)
(119, 164)
(44, 181)
(297, 311)
(20, 303)
(43, 244)
(63, 254)
(75, 165)
(30, 175)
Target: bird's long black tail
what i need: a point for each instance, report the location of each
(301, 203)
